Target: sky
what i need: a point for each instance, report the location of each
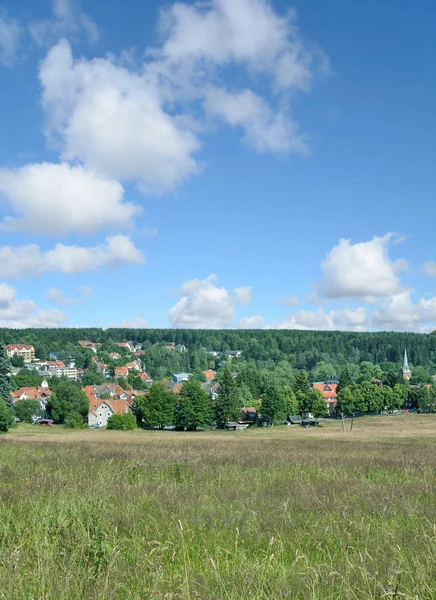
(224, 163)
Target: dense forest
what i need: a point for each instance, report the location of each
(302, 349)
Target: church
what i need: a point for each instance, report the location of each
(407, 373)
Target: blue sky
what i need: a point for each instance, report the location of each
(230, 163)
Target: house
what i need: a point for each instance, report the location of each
(233, 353)
(129, 345)
(210, 375)
(102, 368)
(121, 372)
(180, 377)
(54, 355)
(115, 355)
(145, 378)
(55, 364)
(87, 344)
(134, 365)
(101, 410)
(41, 393)
(213, 353)
(328, 390)
(108, 389)
(25, 350)
(69, 372)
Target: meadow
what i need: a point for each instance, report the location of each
(276, 513)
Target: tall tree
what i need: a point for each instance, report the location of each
(273, 404)
(302, 390)
(228, 403)
(193, 408)
(5, 380)
(156, 408)
(6, 419)
(344, 379)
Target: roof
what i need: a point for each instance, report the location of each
(34, 393)
(123, 370)
(209, 374)
(328, 390)
(118, 407)
(20, 346)
(177, 388)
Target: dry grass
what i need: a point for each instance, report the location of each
(288, 512)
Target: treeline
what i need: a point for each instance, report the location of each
(303, 349)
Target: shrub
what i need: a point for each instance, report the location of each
(6, 418)
(123, 422)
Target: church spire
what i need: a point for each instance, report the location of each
(407, 374)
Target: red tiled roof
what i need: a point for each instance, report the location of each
(209, 375)
(19, 346)
(177, 388)
(118, 407)
(328, 390)
(35, 393)
(121, 370)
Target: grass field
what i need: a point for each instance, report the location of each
(272, 513)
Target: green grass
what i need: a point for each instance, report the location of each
(285, 513)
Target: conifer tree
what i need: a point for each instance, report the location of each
(5, 380)
(344, 379)
(229, 402)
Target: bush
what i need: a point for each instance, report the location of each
(26, 410)
(75, 421)
(122, 422)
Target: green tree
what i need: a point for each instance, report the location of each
(156, 408)
(351, 400)
(67, 399)
(6, 418)
(129, 421)
(273, 404)
(344, 379)
(423, 398)
(26, 378)
(5, 381)
(17, 361)
(193, 408)
(302, 390)
(115, 421)
(317, 405)
(291, 404)
(323, 371)
(229, 401)
(26, 409)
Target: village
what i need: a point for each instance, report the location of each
(112, 380)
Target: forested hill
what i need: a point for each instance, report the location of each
(304, 349)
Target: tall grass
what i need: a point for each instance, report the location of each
(232, 516)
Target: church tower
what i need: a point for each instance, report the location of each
(407, 373)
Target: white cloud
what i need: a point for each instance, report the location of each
(400, 313)
(25, 313)
(430, 268)
(204, 305)
(136, 323)
(362, 270)
(31, 261)
(10, 33)
(342, 319)
(247, 32)
(69, 20)
(118, 250)
(256, 322)
(55, 199)
(266, 130)
(113, 121)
